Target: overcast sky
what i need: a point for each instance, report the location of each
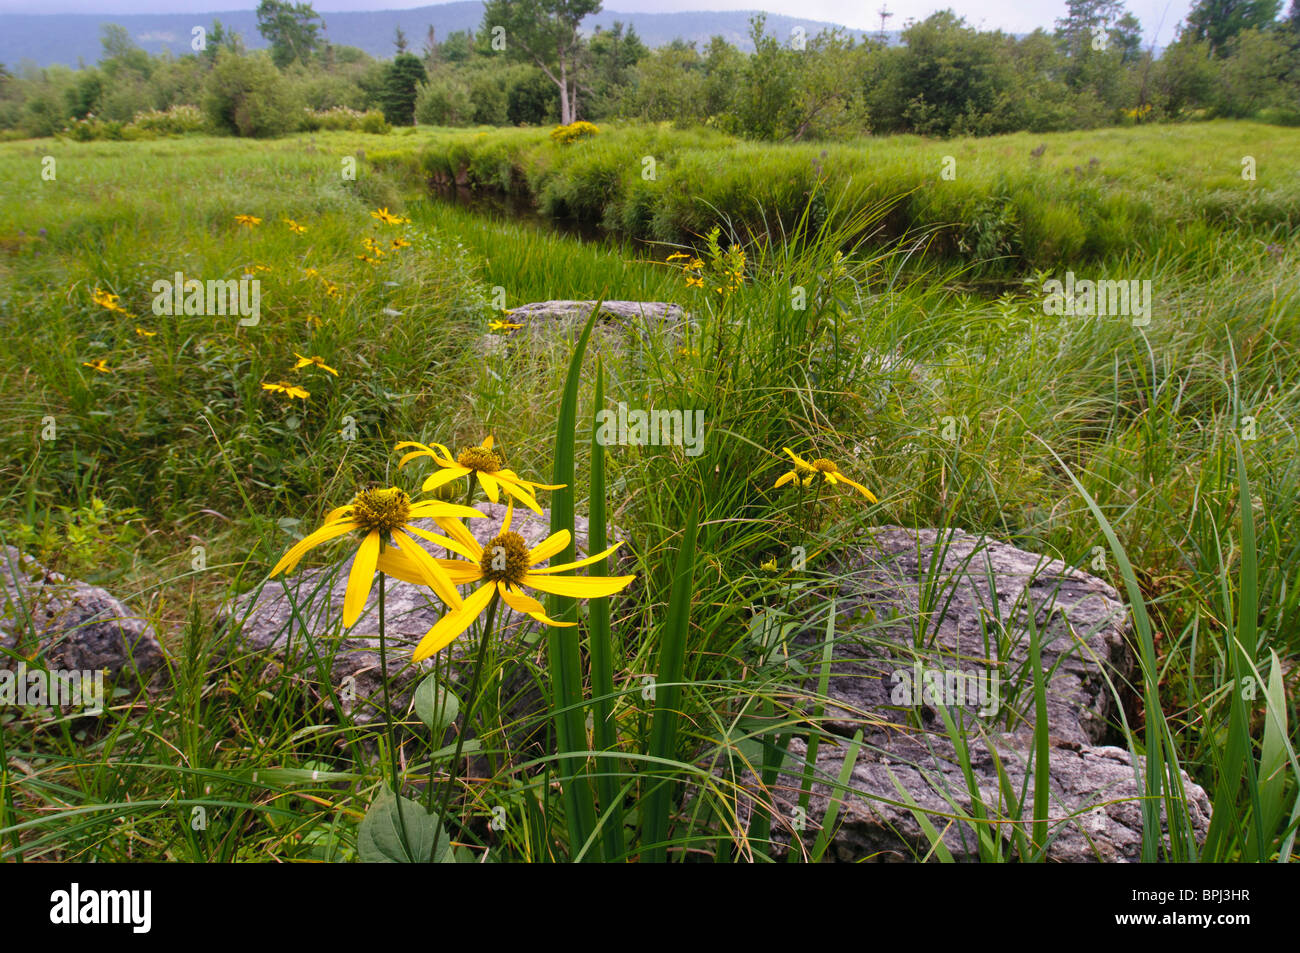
(1018, 17)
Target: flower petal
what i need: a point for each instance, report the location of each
(563, 567)
(435, 576)
(434, 509)
(786, 478)
(798, 462)
(490, 486)
(860, 488)
(549, 547)
(579, 587)
(361, 578)
(519, 601)
(299, 549)
(521, 494)
(448, 475)
(446, 629)
(455, 545)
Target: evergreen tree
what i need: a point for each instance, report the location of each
(401, 81)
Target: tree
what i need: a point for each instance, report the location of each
(292, 29)
(430, 51)
(613, 55)
(545, 32)
(121, 53)
(399, 40)
(401, 82)
(1084, 20)
(219, 38)
(1218, 21)
(668, 85)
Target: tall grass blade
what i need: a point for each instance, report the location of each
(657, 804)
(563, 646)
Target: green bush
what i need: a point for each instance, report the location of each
(443, 101)
(343, 118)
(247, 96)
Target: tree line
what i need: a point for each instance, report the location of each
(531, 63)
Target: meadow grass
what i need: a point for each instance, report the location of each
(1161, 457)
(990, 202)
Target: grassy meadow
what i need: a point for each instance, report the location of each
(1161, 457)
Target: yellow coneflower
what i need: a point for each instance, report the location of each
(805, 472)
(248, 221)
(331, 289)
(99, 364)
(289, 390)
(146, 334)
(313, 321)
(295, 227)
(106, 299)
(401, 243)
(388, 218)
(313, 361)
(381, 515)
(255, 268)
(482, 462)
(503, 326)
(370, 261)
(505, 565)
(310, 273)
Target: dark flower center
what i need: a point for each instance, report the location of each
(505, 558)
(383, 510)
(480, 458)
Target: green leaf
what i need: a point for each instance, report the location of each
(436, 706)
(381, 840)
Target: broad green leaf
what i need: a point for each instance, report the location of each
(435, 705)
(386, 838)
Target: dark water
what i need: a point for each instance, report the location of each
(510, 207)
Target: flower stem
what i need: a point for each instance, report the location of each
(471, 703)
(388, 716)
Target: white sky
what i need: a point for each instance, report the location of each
(1161, 15)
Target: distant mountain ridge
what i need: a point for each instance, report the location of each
(68, 38)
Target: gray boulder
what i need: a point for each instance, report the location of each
(548, 323)
(71, 625)
(925, 620)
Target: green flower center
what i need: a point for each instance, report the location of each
(383, 510)
(824, 465)
(480, 458)
(505, 558)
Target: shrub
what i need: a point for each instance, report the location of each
(443, 102)
(172, 122)
(247, 96)
(574, 131)
(343, 118)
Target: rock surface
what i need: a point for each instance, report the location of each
(924, 619)
(549, 322)
(69, 624)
